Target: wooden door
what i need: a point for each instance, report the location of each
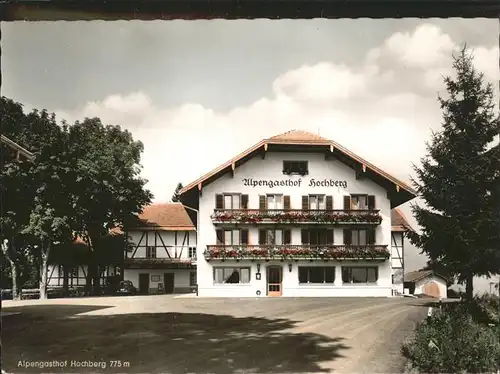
(144, 283)
(274, 280)
(168, 280)
(431, 289)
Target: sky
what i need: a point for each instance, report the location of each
(196, 93)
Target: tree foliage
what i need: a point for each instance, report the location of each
(175, 196)
(458, 180)
(84, 181)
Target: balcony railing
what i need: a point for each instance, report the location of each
(297, 252)
(337, 217)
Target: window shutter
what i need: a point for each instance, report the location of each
(329, 237)
(347, 237)
(286, 202)
(329, 203)
(304, 236)
(219, 201)
(262, 202)
(244, 236)
(287, 237)
(371, 202)
(244, 201)
(347, 202)
(371, 236)
(220, 237)
(262, 236)
(305, 202)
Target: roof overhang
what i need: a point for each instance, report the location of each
(162, 228)
(397, 191)
(16, 147)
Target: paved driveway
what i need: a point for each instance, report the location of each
(164, 334)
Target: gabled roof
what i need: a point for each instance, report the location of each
(398, 221)
(299, 138)
(167, 217)
(415, 276)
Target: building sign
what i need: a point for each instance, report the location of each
(250, 182)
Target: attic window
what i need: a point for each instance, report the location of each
(295, 167)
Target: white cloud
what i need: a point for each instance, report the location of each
(381, 113)
(426, 47)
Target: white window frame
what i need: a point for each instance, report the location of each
(228, 271)
(234, 201)
(317, 202)
(274, 201)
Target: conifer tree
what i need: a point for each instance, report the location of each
(458, 180)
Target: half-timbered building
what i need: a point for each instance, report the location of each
(399, 226)
(296, 215)
(162, 251)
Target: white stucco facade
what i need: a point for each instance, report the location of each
(270, 168)
(420, 286)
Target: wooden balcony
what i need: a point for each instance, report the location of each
(297, 216)
(297, 252)
(159, 263)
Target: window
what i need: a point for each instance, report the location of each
(231, 275)
(232, 237)
(359, 202)
(358, 237)
(275, 237)
(60, 271)
(295, 167)
(231, 201)
(317, 236)
(274, 201)
(316, 274)
(317, 202)
(103, 270)
(192, 252)
(73, 272)
(192, 278)
(359, 274)
(150, 252)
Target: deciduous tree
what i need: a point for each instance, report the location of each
(107, 187)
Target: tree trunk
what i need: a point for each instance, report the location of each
(16, 292)
(469, 287)
(45, 251)
(93, 275)
(9, 250)
(65, 280)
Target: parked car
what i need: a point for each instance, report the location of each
(126, 288)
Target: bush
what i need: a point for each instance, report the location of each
(454, 341)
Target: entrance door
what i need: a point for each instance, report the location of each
(168, 280)
(144, 283)
(274, 277)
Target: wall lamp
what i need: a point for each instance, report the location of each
(258, 268)
(290, 268)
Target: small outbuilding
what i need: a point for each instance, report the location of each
(426, 282)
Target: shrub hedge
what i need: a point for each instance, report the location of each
(459, 337)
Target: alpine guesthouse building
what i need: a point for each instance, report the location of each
(295, 215)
